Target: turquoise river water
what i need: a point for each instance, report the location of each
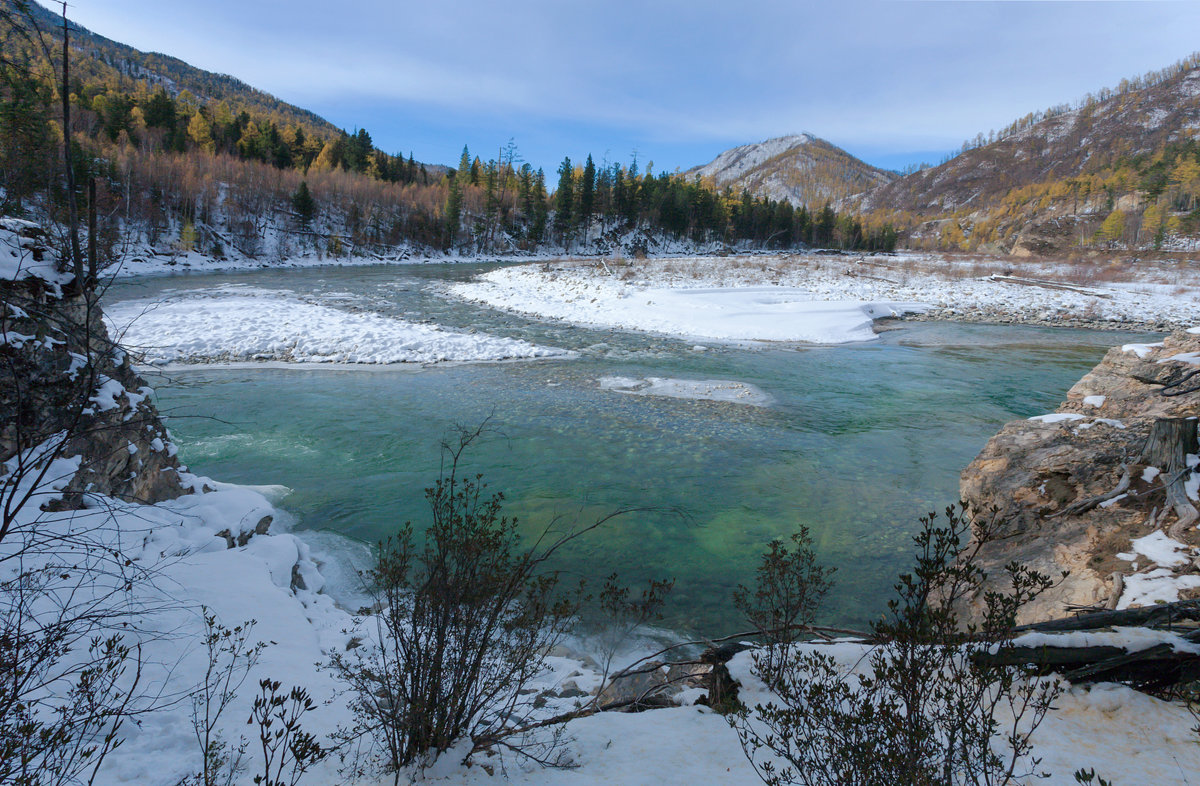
(859, 441)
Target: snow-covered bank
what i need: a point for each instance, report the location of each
(750, 313)
(830, 298)
(181, 551)
(239, 324)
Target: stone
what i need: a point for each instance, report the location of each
(643, 688)
(102, 404)
(1033, 472)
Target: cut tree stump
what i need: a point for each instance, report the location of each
(1167, 447)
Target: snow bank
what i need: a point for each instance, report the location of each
(949, 287)
(232, 324)
(274, 579)
(17, 251)
(1126, 736)
(749, 313)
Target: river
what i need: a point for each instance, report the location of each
(856, 442)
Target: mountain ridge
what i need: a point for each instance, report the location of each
(801, 168)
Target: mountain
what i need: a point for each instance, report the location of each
(122, 69)
(800, 169)
(1049, 181)
(1136, 119)
(155, 70)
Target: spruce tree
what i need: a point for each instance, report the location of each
(304, 204)
(463, 175)
(587, 192)
(564, 198)
(540, 207)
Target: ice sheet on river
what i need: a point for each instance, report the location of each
(236, 324)
(699, 389)
(745, 313)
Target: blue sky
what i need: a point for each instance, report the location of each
(678, 81)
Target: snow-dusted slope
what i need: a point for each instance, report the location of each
(799, 168)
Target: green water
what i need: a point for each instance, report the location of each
(859, 442)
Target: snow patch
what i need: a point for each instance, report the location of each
(747, 313)
(234, 325)
(698, 389)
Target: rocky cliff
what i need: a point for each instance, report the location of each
(67, 390)
(1103, 489)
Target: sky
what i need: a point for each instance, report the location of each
(895, 82)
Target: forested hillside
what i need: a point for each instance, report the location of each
(1119, 169)
(186, 160)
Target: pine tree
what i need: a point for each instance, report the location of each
(463, 175)
(540, 207)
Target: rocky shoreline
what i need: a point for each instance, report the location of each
(1100, 495)
(998, 316)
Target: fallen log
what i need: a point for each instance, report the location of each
(1155, 669)
(1158, 616)
(1038, 282)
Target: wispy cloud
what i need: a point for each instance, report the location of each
(683, 77)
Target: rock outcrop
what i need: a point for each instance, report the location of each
(66, 388)
(1073, 490)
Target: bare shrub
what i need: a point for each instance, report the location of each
(466, 619)
(923, 709)
(288, 751)
(230, 656)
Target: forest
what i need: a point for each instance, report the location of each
(184, 160)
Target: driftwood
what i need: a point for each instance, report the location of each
(1118, 586)
(1092, 502)
(1038, 282)
(1156, 668)
(1162, 615)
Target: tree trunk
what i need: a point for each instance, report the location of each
(1170, 440)
(1167, 447)
(69, 158)
(92, 262)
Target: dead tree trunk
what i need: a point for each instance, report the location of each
(1167, 448)
(69, 158)
(91, 260)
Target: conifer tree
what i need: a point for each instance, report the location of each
(463, 175)
(540, 207)
(564, 198)
(587, 192)
(304, 204)
(201, 132)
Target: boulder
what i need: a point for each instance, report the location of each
(1045, 478)
(63, 377)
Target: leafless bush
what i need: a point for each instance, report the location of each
(922, 709)
(466, 619)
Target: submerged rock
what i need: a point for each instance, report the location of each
(1073, 490)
